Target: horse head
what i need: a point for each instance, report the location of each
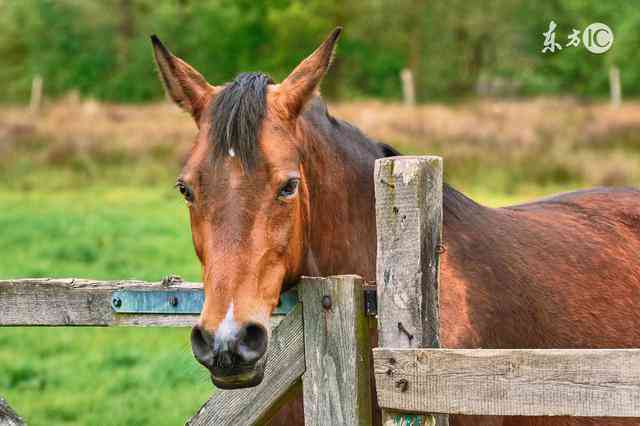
(245, 186)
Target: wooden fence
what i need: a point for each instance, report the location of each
(321, 345)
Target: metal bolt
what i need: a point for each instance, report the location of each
(173, 301)
(326, 302)
(117, 302)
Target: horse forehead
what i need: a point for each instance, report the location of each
(278, 146)
(277, 130)
(197, 158)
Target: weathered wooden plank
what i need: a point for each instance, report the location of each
(8, 417)
(336, 384)
(82, 302)
(285, 366)
(409, 223)
(409, 230)
(71, 301)
(528, 382)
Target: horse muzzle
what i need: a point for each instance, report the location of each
(238, 377)
(234, 362)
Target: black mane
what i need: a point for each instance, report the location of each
(238, 112)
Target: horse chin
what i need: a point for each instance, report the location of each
(244, 379)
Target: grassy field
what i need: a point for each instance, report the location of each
(93, 197)
(95, 376)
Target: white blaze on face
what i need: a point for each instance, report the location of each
(232, 153)
(227, 330)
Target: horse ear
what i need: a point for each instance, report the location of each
(299, 87)
(186, 86)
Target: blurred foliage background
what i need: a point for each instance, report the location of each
(86, 177)
(101, 49)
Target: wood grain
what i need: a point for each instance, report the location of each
(336, 384)
(527, 382)
(82, 302)
(409, 230)
(8, 417)
(285, 366)
(409, 223)
(71, 301)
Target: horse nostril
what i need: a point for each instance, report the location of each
(253, 342)
(201, 346)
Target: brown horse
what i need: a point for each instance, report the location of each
(278, 188)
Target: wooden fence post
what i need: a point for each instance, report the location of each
(408, 87)
(615, 87)
(409, 229)
(336, 384)
(36, 95)
(8, 417)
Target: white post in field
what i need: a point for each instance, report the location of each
(408, 87)
(36, 94)
(615, 86)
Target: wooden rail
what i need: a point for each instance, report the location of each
(83, 302)
(514, 382)
(71, 301)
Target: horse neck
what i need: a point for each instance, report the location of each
(342, 228)
(341, 236)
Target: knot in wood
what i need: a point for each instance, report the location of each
(402, 384)
(405, 331)
(171, 280)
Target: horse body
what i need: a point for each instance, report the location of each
(561, 272)
(558, 273)
(291, 193)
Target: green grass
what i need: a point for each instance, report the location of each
(98, 376)
(93, 376)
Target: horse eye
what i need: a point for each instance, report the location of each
(289, 189)
(185, 191)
